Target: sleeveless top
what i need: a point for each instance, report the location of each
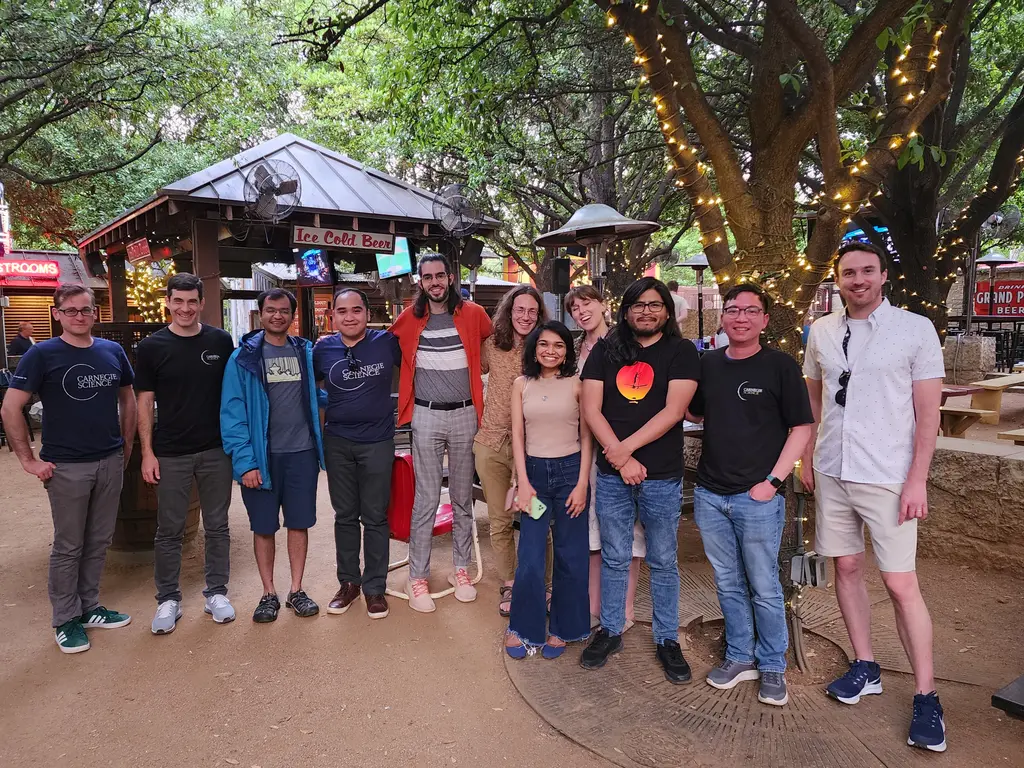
(552, 415)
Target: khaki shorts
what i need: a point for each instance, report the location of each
(844, 507)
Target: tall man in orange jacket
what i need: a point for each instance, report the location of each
(440, 391)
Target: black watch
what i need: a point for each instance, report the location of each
(776, 482)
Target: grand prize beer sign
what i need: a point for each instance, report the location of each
(343, 239)
(1009, 299)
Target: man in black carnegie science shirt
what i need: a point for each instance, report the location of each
(180, 369)
(757, 421)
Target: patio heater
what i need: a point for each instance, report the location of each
(698, 263)
(596, 226)
(992, 261)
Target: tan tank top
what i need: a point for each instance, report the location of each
(552, 415)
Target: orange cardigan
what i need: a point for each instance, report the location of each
(473, 326)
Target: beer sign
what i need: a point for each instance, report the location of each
(343, 239)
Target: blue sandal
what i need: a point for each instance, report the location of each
(517, 651)
(552, 651)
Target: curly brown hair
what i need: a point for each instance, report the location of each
(502, 331)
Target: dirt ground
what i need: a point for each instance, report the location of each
(1011, 416)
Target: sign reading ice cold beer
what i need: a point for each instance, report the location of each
(346, 239)
(1009, 299)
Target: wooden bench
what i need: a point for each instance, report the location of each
(991, 399)
(1017, 435)
(956, 421)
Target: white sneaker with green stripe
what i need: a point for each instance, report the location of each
(102, 618)
(71, 637)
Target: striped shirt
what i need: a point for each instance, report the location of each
(442, 369)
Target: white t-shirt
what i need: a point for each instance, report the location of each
(681, 306)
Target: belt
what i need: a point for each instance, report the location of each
(443, 406)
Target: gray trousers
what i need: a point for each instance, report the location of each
(212, 473)
(433, 433)
(84, 499)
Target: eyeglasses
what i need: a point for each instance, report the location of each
(84, 312)
(654, 307)
(733, 312)
(281, 312)
(520, 312)
(844, 377)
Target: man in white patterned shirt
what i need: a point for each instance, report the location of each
(874, 373)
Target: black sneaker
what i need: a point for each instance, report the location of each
(671, 657)
(302, 604)
(928, 728)
(266, 611)
(601, 647)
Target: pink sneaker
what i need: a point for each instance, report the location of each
(419, 596)
(465, 592)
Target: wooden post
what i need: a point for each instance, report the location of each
(206, 264)
(117, 280)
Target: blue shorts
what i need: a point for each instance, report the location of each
(293, 479)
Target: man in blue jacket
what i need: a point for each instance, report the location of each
(270, 427)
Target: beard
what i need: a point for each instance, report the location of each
(645, 333)
(444, 297)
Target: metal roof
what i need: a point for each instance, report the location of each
(330, 182)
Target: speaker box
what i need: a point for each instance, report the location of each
(94, 263)
(560, 277)
(471, 253)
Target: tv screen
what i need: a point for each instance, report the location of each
(312, 267)
(395, 264)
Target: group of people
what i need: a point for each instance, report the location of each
(581, 440)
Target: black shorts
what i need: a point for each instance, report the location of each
(293, 479)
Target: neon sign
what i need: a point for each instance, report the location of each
(48, 270)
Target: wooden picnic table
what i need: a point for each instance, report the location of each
(954, 390)
(1017, 435)
(954, 421)
(991, 396)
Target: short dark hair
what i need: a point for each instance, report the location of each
(673, 285)
(276, 293)
(69, 290)
(349, 289)
(863, 247)
(581, 293)
(184, 281)
(736, 290)
(531, 367)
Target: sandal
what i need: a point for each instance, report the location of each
(516, 651)
(505, 596)
(550, 651)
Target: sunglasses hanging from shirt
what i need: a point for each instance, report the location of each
(844, 377)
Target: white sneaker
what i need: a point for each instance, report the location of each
(167, 614)
(465, 592)
(419, 596)
(220, 608)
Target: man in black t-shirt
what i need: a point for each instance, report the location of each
(757, 421)
(637, 384)
(180, 369)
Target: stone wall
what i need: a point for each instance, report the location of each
(968, 358)
(976, 503)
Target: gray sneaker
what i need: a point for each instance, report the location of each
(167, 614)
(220, 608)
(773, 689)
(729, 673)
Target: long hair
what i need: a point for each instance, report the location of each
(502, 332)
(419, 307)
(623, 347)
(531, 366)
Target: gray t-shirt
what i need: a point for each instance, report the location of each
(289, 420)
(442, 370)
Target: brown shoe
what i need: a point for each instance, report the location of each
(345, 597)
(377, 606)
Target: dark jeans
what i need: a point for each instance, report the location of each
(553, 480)
(211, 471)
(359, 480)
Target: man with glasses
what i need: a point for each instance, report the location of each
(875, 373)
(85, 385)
(357, 367)
(637, 385)
(757, 421)
(270, 426)
(440, 391)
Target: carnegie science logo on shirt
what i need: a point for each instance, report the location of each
(348, 378)
(81, 381)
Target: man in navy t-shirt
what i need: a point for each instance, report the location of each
(356, 367)
(85, 385)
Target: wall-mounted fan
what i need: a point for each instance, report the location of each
(272, 190)
(1001, 224)
(456, 212)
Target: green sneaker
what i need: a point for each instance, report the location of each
(103, 618)
(70, 637)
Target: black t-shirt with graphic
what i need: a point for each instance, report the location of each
(749, 406)
(634, 394)
(184, 373)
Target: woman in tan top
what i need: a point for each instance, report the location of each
(552, 449)
(517, 314)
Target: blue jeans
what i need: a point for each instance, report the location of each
(741, 539)
(553, 480)
(657, 504)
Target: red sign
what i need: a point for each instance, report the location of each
(137, 250)
(38, 270)
(344, 239)
(1009, 299)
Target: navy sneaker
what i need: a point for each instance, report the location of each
(862, 679)
(927, 728)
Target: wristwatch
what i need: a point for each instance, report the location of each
(776, 483)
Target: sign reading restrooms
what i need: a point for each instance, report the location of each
(1009, 299)
(32, 269)
(343, 239)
